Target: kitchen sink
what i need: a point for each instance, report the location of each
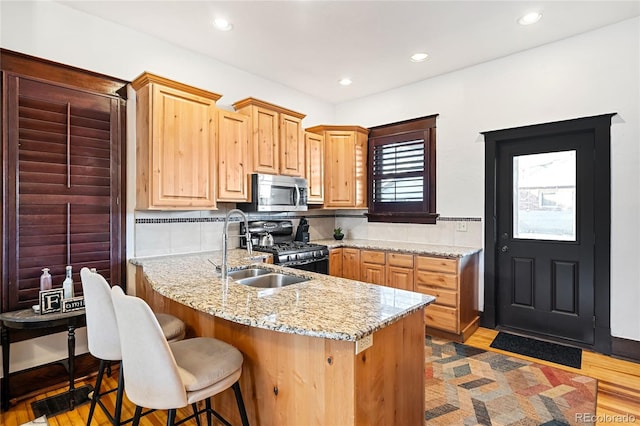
(271, 280)
(248, 272)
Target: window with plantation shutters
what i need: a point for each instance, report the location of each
(402, 172)
(63, 169)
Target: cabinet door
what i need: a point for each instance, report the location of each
(314, 150)
(233, 151)
(398, 277)
(183, 154)
(360, 171)
(265, 140)
(340, 163)
(335, 262)
(351, 263)
(62, 157)
(291, 146)
(373, 273)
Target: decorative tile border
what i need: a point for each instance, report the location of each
(439, 219)
(221, 218)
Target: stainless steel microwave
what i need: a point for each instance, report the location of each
(276, 193)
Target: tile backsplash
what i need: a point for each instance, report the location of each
(173, 232)
(466, 232)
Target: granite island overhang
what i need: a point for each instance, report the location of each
(325, 351)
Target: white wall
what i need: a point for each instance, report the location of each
(594, 73)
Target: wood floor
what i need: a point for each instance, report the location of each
(618, 392)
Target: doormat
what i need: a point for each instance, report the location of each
(57, 404)
(469, 386)
(547, 351)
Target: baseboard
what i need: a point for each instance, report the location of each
(625, 348)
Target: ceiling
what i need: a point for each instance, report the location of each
(310, 45)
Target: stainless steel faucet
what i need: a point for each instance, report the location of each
(225, 240)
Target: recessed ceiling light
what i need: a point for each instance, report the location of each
(530, 18)
(222, 24)
(419, 57)
(345, 81)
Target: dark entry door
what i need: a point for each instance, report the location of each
(545, 235)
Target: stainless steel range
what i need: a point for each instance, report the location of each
(276, 237)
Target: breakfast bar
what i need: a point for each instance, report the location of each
(326, 351)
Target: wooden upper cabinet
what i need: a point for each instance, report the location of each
(345, 165)
(314, 167)
(233, 154)
(291, 146)
(176, 145)
(277, 140)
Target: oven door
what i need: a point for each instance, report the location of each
(321, 266)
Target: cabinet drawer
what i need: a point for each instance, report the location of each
(401, 260)
(370, 256)
(437, 264)
(441, 317)
(436, 279)
(443, 297)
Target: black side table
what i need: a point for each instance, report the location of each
(26, 319)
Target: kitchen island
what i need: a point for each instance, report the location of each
(327, 351)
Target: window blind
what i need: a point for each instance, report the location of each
(398, 172)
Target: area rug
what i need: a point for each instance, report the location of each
(547, 351)
(469, 386)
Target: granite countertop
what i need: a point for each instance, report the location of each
(325, 306)
(402, 247)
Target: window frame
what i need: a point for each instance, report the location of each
(405, 212)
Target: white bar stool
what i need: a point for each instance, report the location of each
(168, 376)
(103, 338)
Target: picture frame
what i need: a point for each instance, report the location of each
(51, 301)
(73, 304)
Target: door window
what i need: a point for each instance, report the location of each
(544, 196)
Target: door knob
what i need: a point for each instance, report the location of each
(504, 249)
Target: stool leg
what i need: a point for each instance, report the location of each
(119, 393)
(136, 416)
(171, 417)
(243, 412)
(96, 391)
(195, 413)
(208, 403)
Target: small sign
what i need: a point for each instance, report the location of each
(72, 304)
(51, 301)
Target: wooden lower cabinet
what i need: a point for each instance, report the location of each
(335, 262)
(400, 271)
(454, 283)
(290, 379)
(373, 267)
(351, 263)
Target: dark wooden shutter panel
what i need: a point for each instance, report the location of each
(64, 142)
